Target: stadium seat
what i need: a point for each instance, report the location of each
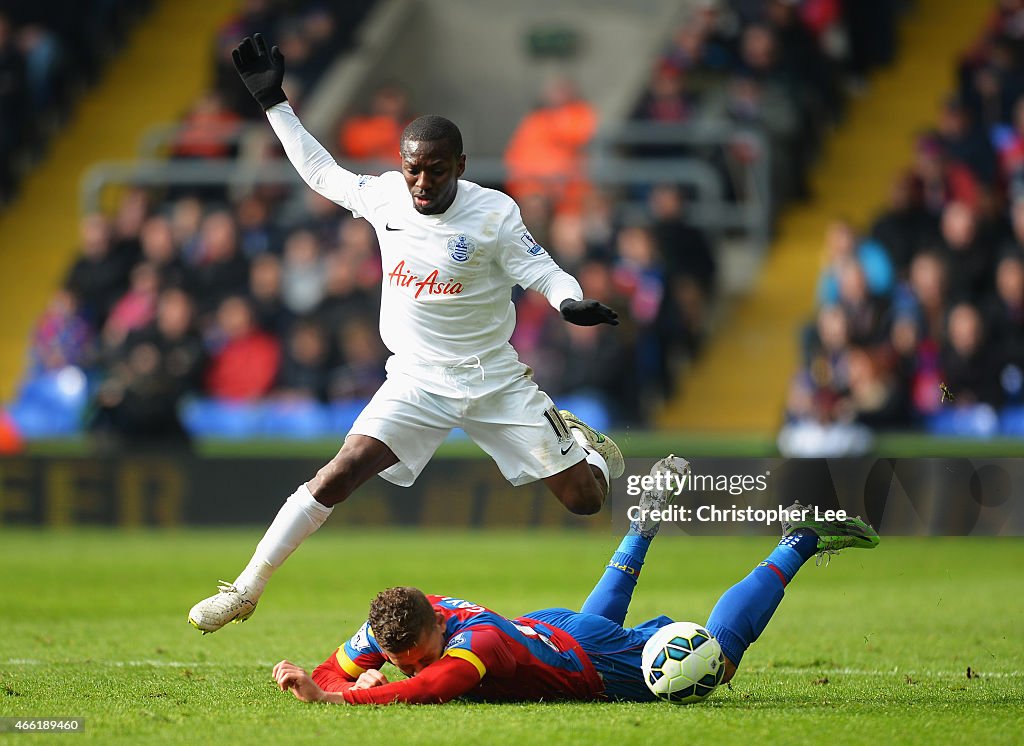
(214, 418)
(341, 415)
(588, 408)
(51, 404)
(977, 421)
(1011, 421)
(295, 420)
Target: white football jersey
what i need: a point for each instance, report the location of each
(447, 279)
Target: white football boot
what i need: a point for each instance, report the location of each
(673, 467)
(230, 604)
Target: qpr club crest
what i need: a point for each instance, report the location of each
(461, 247)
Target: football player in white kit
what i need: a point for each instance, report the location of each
(451, 252)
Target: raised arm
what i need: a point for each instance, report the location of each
(262, 71)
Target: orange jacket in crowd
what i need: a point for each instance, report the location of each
(546, 154)
(208, 131)
(371, 137)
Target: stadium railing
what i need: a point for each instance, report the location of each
(752, 211)
(158, 140)
(710, 208)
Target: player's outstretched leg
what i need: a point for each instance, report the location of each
(594, 441)
(359, 459)
(744, 610)
(613, 592)
(299, 517)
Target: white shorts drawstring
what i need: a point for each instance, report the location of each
(465, 363)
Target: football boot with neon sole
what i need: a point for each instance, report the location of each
(599, 442)
(833, 536)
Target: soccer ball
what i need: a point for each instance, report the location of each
(682, 663)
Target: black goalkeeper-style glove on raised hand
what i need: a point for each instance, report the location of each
(261, 69)
(587, 312)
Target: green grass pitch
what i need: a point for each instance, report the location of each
(871, 649)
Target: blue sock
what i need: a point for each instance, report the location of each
(613, 592)
(744, 610)
(793, 551)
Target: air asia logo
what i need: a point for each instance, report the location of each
(429, 285)
(461, 247)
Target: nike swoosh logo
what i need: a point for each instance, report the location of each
(567, 448)
(389, 228)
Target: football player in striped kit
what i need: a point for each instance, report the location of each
(449, 648)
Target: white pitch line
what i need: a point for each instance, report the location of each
(155, 663)
(878, 672)
(159, 663)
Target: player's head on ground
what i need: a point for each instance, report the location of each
(408, 629)
(432, 162)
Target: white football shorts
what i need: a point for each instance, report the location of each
(495, 402)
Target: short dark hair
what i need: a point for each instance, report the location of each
(399, 616)
(433, 128)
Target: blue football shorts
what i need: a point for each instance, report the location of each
(614, 650)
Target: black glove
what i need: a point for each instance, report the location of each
(261, 70)
(587, 312)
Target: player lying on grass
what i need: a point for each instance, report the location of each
(451, 252)
(452, 648)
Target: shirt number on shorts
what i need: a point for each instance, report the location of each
(554, 419)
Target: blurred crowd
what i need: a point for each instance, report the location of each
(209, 293)
(920, 319)
(782, 68)
(50, 51)
(244, 313)
(310, 33)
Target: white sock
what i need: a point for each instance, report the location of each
(593, 457)
(299, 517)
(596, 459)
